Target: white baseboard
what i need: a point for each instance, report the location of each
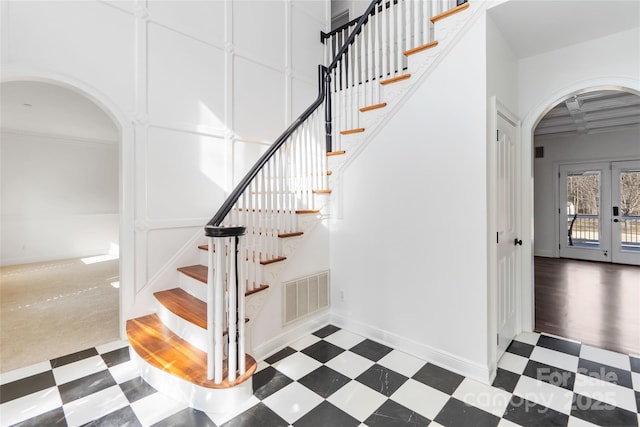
(260, 352)
(438, 357)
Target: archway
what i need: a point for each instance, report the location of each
(120, 198)
(527, 166)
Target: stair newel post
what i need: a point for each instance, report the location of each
(327, 111)
(216, 310)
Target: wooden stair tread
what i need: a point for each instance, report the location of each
(293, 234)
(184, 305)
(188, 307)
(327, 191)
(256, 290)
(421, 48)
(373, 107)
(273, 260)
(395, 79)
(199, 272)
(160, 347)
(449, 12)
(335, 153)
(308, 211)
(351, 131)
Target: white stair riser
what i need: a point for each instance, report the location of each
(194, 287)
(198, 397)
(194, 335)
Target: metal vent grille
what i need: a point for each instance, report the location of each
(305, 296)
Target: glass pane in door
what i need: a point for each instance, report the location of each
(583, 209)
(629, 215)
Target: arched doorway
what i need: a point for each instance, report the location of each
(550, 168)
(62, 220)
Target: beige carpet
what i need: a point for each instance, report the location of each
(56, 308)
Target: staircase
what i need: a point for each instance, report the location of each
(193, 347)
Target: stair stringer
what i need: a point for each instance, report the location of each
(449, 32)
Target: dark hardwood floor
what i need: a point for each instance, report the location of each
(593, 302)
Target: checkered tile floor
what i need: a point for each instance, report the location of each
(336, 378)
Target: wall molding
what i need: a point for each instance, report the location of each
(61, 138)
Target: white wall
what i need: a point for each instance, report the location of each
(549, 75)
(59, 197)
(502, 83)
(206, 87)
(409, 252)
(619, 145)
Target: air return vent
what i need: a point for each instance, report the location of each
(305, 296)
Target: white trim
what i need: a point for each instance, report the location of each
(462, 366)
(126, 170)
(282, 340)
(61, 138)
(529, 124)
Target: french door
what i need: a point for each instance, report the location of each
(599, 215)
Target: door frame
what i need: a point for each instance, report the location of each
(529, 123)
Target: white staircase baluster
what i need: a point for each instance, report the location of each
(393, 68)
(217, 296)
(377, 58)
(232, 313)
(385, 42)
(369, 70)
(357, 71)
(242, 365)
(408, 29)
(211, 351)
(399, 36)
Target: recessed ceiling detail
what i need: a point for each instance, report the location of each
(592, 112)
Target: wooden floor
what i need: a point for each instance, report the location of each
(593, 302)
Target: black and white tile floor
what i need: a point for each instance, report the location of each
(336, 378)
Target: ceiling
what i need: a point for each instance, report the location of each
(530, 28)
(592, 112)
(44, 108)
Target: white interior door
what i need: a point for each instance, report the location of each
(625, 212)
(508, 216)
(584, 214)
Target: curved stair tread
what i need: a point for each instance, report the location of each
(199, 273)
(163, 349)
(184, 305)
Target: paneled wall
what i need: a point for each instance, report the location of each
(206, 86)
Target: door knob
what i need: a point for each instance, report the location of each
(616, 220)
(517, 242)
